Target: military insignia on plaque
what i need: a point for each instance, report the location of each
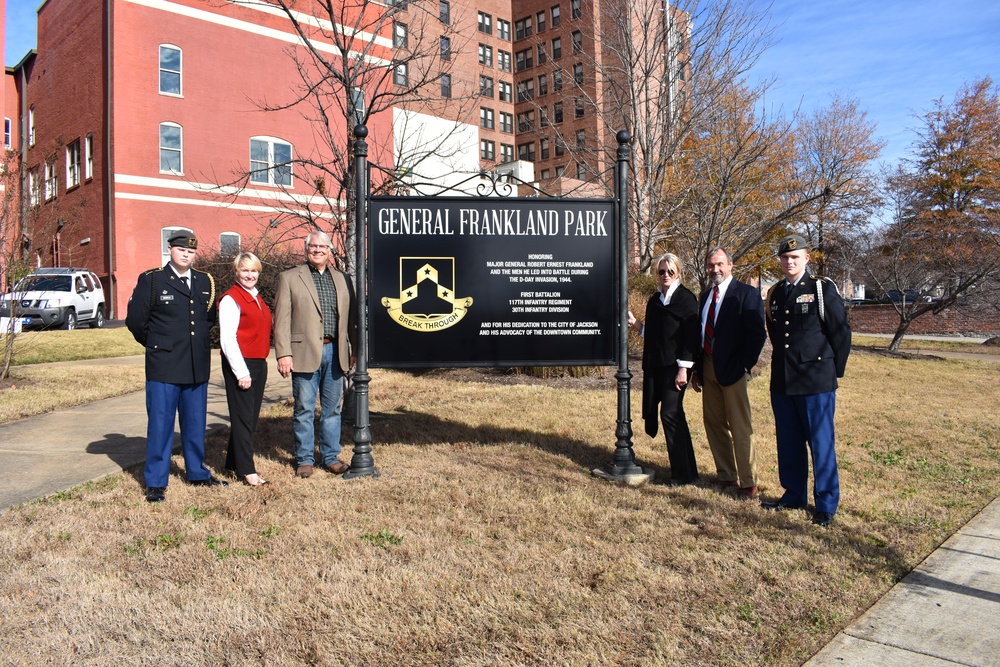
(427, 300)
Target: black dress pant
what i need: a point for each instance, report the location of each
(244, 410)
(683, 468)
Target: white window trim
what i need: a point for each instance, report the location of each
(180, 72)
(88, 158)
(179, 172)
(271, 141)
(73, 167)
(239, 242)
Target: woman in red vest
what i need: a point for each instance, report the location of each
(245, 333)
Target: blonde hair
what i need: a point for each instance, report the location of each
(249, 259)
(673, 262)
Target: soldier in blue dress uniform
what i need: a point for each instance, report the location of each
(807, 325)
(170, 313)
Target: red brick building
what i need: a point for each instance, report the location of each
(135, 117)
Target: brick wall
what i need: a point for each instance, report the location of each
(883, 318)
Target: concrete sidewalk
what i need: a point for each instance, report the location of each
(945, 612)
(49, 453)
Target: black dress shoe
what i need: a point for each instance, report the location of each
(779, 505)
(822, 519)
(155, 494)
(211, 481)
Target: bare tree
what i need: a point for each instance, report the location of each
(13, 258)
(359, 61)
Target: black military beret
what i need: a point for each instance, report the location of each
(791, 243)
(182, 239)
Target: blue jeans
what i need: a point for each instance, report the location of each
(328, 382)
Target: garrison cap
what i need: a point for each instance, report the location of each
(182, 239)
(791, 243)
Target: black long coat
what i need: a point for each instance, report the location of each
(173, 324)
(671, 334)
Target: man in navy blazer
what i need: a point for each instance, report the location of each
(733, 334)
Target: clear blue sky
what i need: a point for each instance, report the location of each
(894, 56)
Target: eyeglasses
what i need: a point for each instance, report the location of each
(312, 246)
(667, 272)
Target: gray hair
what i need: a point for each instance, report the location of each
(320, 235)
(719, 249)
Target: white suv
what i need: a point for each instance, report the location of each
(60, 297)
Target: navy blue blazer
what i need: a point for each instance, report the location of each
(739, 332)
(173, 322)
(809, 353)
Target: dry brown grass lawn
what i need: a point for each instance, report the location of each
(36, 390)
(486, 541)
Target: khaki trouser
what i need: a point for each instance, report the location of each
(728, 427)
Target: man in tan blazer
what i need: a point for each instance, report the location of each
(315, 333)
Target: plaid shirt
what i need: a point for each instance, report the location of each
(327, 292)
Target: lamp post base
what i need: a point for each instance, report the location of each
(631, 476)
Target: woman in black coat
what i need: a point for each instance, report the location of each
(670, 339)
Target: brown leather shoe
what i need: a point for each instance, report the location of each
(338, 467)
(304, 471)
(747, 493)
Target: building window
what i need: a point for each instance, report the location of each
(541, 54)
(503, 60)
(506, 153)
(6, 133)
(88, 165)
(559, 171)
(581, 138)
(578, 74)
(522, 28)
(577, 41)
(555, 16)
(543, 149)
(170, 70)
(543, 116)
(503, 29)
(526, 90)
(540, 22)
(487, 149)
(400, 35)
(545, 174)
(525, 121)
(400, 5)
(557, 80)
(577, 107)
(557, 112)
(485, 23)
(486, 55)
(444, 12)
(446, 86)
(51, 180)
(506, 91)
(506, 122)
(486, 118)
(171, 148)
(526, 151)
(581, 171)
(34, 187)
(574, 8)
(543, 85)
(486, 86)
(229, 244)
(560, 150)
(445, 48)
(31, 126)
(524, 60)
(73, 164)
(270, 161)
(400, 75)
(556, 48)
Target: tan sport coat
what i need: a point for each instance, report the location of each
(298, 319)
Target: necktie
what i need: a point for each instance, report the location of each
(185, 281)
(710, 321)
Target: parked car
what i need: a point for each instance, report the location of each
(56, 297)
(911, 295)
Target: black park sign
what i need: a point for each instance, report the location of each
(462, 281)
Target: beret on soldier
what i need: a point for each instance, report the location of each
(791, 243)
(182, 239)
